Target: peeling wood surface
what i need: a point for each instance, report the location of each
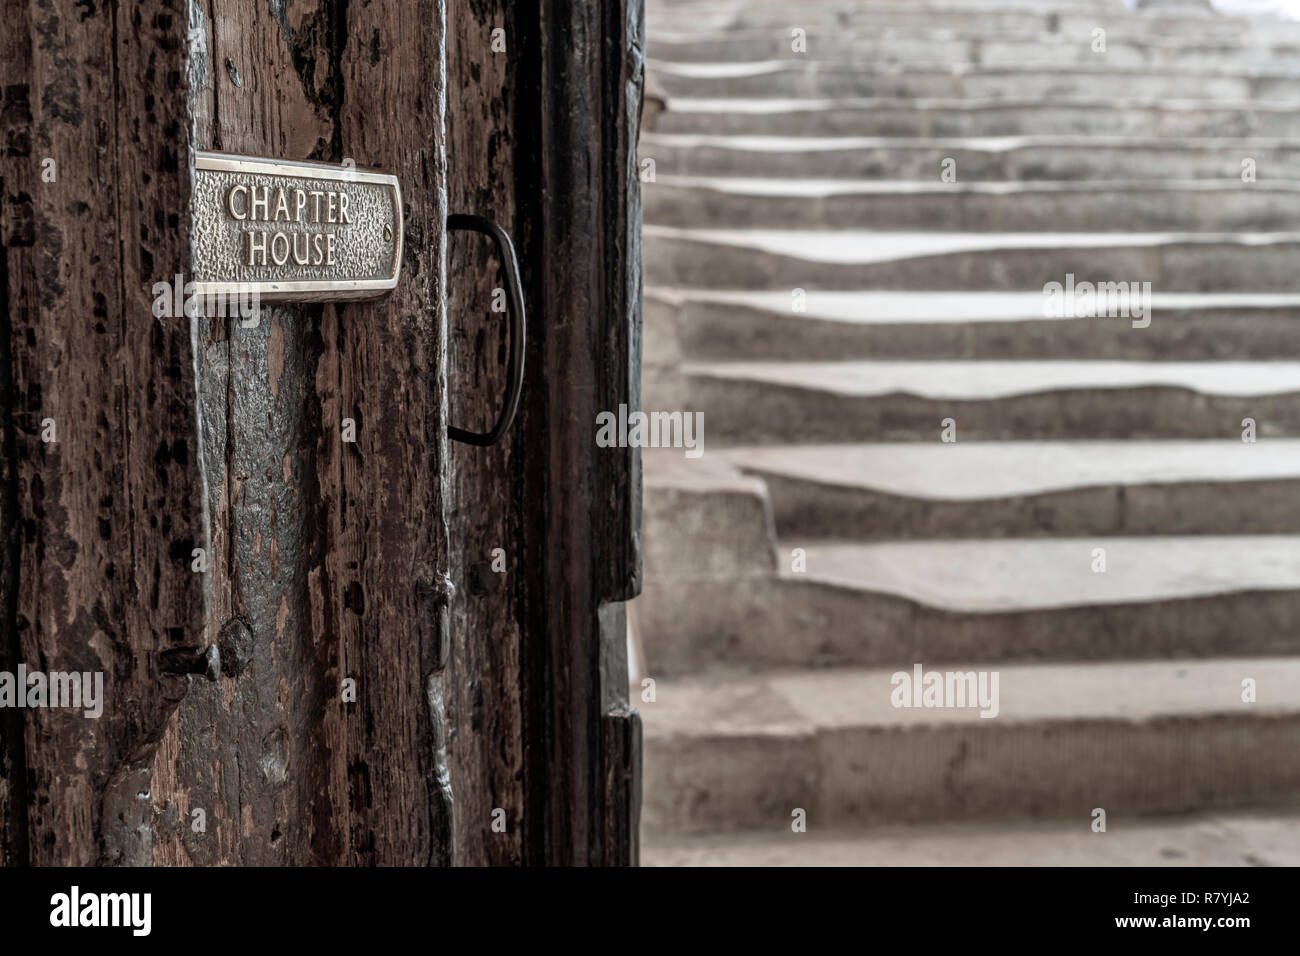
(249, 751)
(99, 525)
(330, 557)
(486, 509)
(394, 488)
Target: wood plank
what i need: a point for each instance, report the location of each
(485, 167)
(261, 753)
(98, 575)
(393, 383)
(332, 554)
(589, 211)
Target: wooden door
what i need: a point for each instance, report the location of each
(543, 108)
(419, 646)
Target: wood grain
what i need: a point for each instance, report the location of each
(332, 555)
(99, 524)
(396, 622)
(486, 509)
(589, 220)
(368, 561)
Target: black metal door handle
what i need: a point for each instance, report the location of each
(515, 301)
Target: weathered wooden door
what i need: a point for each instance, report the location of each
(325, 637)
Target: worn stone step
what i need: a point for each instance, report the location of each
(702, 325)
(730, 12)
(840, 260)
(1219, 840)
(938, 47)
(1095, 206)
(713, 517)
(818, 402)
(987, 117)
(886, 603)
(996, 576)
(703, 517)
(968, 20)
(1130, 738)
(817, 79)
(661, 8)
(1018, 159)
(1019, 489)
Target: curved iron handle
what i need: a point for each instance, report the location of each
(515, 301)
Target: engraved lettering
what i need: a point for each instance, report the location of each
(289, 229)
(261, 197)
(230, 202)
(256, 244)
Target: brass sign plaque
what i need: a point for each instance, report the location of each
(294, 231)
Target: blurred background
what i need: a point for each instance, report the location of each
(873, 234)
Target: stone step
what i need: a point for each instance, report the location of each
(935, 48)
(841, 260)
(989, 19)
(703, 517)
(744, 752)
(713, 517)
(1018, 489)
(662, 8)
(1013, 575)
(850, 401)
(700, 325)
(1220, 839)
(886, 603)
(817, 79)
(1095, 206)
(986, 117)
(1018, 159)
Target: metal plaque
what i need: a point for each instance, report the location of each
(294, 231)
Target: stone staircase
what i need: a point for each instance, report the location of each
(1099, 534)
